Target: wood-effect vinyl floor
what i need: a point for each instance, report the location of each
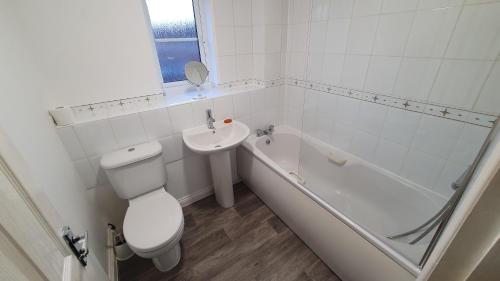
(247, 242)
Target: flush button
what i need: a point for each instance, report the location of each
(131, 149)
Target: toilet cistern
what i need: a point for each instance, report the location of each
(154, 223)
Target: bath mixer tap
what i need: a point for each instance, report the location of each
(210, 120)
(265, 132)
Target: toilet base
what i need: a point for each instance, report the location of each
(168, 260)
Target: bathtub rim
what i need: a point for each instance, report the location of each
(372, 239)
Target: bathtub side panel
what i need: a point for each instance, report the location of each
(348, 254)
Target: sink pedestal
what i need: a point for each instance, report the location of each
(222, 178)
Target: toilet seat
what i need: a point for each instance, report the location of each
(153, 222)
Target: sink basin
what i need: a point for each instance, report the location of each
(224, 137)
(217, 144)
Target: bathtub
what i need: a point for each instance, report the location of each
(343, 213)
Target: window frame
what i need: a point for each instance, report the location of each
(200, 31)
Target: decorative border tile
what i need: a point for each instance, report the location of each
(253, 82)
(124, 106)
(476, 118)
(90, 112)
(101, 110)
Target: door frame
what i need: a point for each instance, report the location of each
(28, 255)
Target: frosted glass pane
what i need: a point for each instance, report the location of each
(176, 39)
(173, 56)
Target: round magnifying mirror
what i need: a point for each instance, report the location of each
(196, 73)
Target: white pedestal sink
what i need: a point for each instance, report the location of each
(217, 143)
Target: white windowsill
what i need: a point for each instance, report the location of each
(182, 93)
(186, 93)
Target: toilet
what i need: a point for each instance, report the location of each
(154, 223)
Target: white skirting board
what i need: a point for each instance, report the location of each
(196, 196)
(112, 262)
(200, 194)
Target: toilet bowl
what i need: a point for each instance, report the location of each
(153, 227)
(154, 223)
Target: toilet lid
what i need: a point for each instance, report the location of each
(152, 221)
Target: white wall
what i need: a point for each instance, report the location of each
(26, 122)
(92, 51)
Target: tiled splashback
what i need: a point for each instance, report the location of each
(466, 116)
(411, 86)
(426, 149)
(188, 173)
(435, 52)
(249, 38)
(89, 112)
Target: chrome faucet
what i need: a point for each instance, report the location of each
(265, 132)
(210, 120)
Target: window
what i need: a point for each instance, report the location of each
(175, 35)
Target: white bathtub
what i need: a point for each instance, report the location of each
(343, 213)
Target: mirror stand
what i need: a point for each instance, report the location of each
(196, 73)
(200, 95)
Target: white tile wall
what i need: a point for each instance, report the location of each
(400, 126)
(242, 12)
(428, 150)
(225, 40)
(341, 8)
(354, 71)
(96, 137)
(476, 33)
(419, 58)
(392, 34)
(336, 35)
(243, 39)
(422, 168)
(226, 69)
(367, 7)
(438, 51)
(181, 117)
(128, 130)
(156, 123)
(390, 155)
(390, 6)
(489, 99)
(441, 51)
(188, 173)
(431, 32)
(249, 39)
(371, 118)
(459, 82)
(382, 74)
(431, 4)
(86, 172)
(415, 78)
(332, 68)
(317, 36)
(320, 10)
(71, 142)
(223, 12)
(362, 34)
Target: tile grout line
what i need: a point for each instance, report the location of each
(443, 57)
